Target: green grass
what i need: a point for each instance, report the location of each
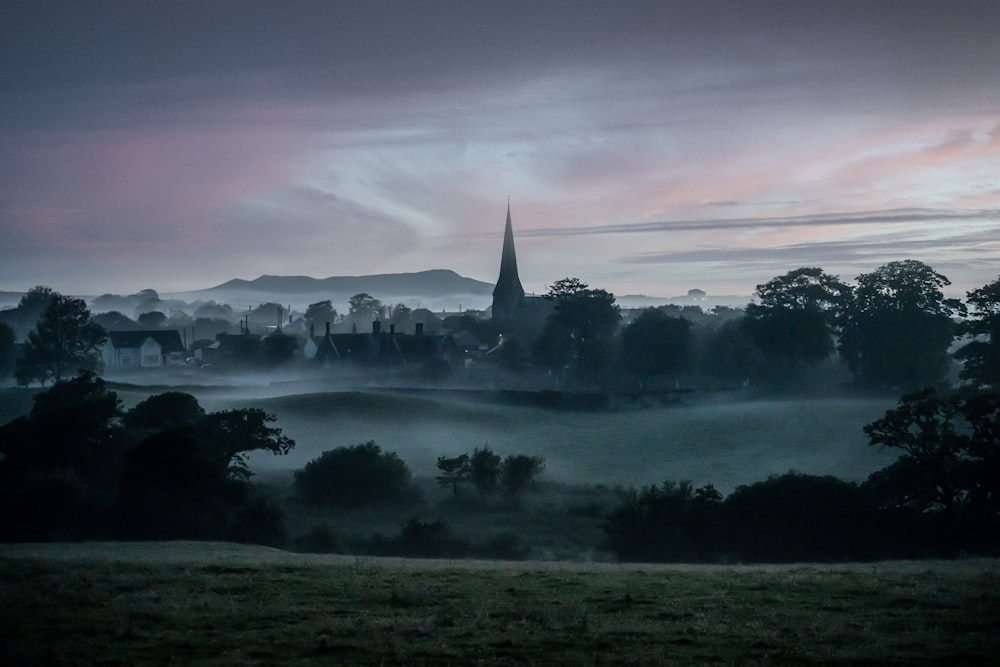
(215, 604)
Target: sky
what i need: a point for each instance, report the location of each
(644, 147)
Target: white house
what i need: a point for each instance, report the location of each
(143, 349)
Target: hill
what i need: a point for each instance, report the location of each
(432, 284)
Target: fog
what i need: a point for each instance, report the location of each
(724, 438)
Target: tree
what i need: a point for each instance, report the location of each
(453, 471)
(164, 411)
(154, 319)
(656, 343)
(319, 314)
(364, 307)
(794, 323)
(898, 327)
(60, 463)
(981, 355)
(518, 473)
(64, 341)
(229, 435)
(578, 336)
(730, 352)
(24, 317)
(113, 320)
(667, 523)
(8, 351)
(355, 476)
(484, 470)
(950, 461)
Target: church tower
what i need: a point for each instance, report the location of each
(508, 293)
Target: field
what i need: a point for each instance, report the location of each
(219, 604)
(716, 441)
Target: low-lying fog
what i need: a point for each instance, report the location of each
(725, 442)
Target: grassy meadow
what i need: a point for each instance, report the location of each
(221, 604)
(725, 442)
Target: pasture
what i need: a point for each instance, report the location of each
(222, 604)
(724, 442)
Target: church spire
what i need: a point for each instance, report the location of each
(508, 293)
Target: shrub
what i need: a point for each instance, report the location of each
(796, 517)
(672, 523)
(356, 476)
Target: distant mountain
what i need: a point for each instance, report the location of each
(435, 283)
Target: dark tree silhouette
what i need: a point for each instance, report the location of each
(319, 314)
(484, 470)
(8, 350)
(950, 462)
(794, 323)
(656, 343)
(454, 471)
(64, 342)
(579, 335)
(898, 327)
(981, 355)
(518, 473)
(355, 476)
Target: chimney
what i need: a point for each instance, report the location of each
(376, 328)
(392, 329)
(420, 329)
(327, 328)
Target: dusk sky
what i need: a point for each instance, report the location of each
(646, 147)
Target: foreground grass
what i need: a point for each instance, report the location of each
(180, 603)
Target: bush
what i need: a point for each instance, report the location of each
(671, 523)
(795, 517)
(356, 476)
(422, 539)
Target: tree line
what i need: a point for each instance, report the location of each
(894, 328)
(78, 466)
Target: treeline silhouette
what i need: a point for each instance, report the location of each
(78, 466)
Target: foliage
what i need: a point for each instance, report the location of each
(950, 462)
(364, 307)
(320, 314)
(518, 473)
(355, 476)
(164, 411)
(672, 523)
(794, 323)
(898, 327)
(229, 435)
(730, 352)
(61, 462)
(153, 319)
(795, 517)
(115, 321)
(453, 471)
(981, 355)
(8, 351)
(164, 469)
(64, 342)
(24, 317)
(579, 334)
(656, 343)
(484, 470)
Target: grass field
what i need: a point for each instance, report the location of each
(722, 442)
(220, 604)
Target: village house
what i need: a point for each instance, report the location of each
(143, 349)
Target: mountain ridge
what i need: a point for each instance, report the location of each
(430, 283)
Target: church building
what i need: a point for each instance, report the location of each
(510, 304)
